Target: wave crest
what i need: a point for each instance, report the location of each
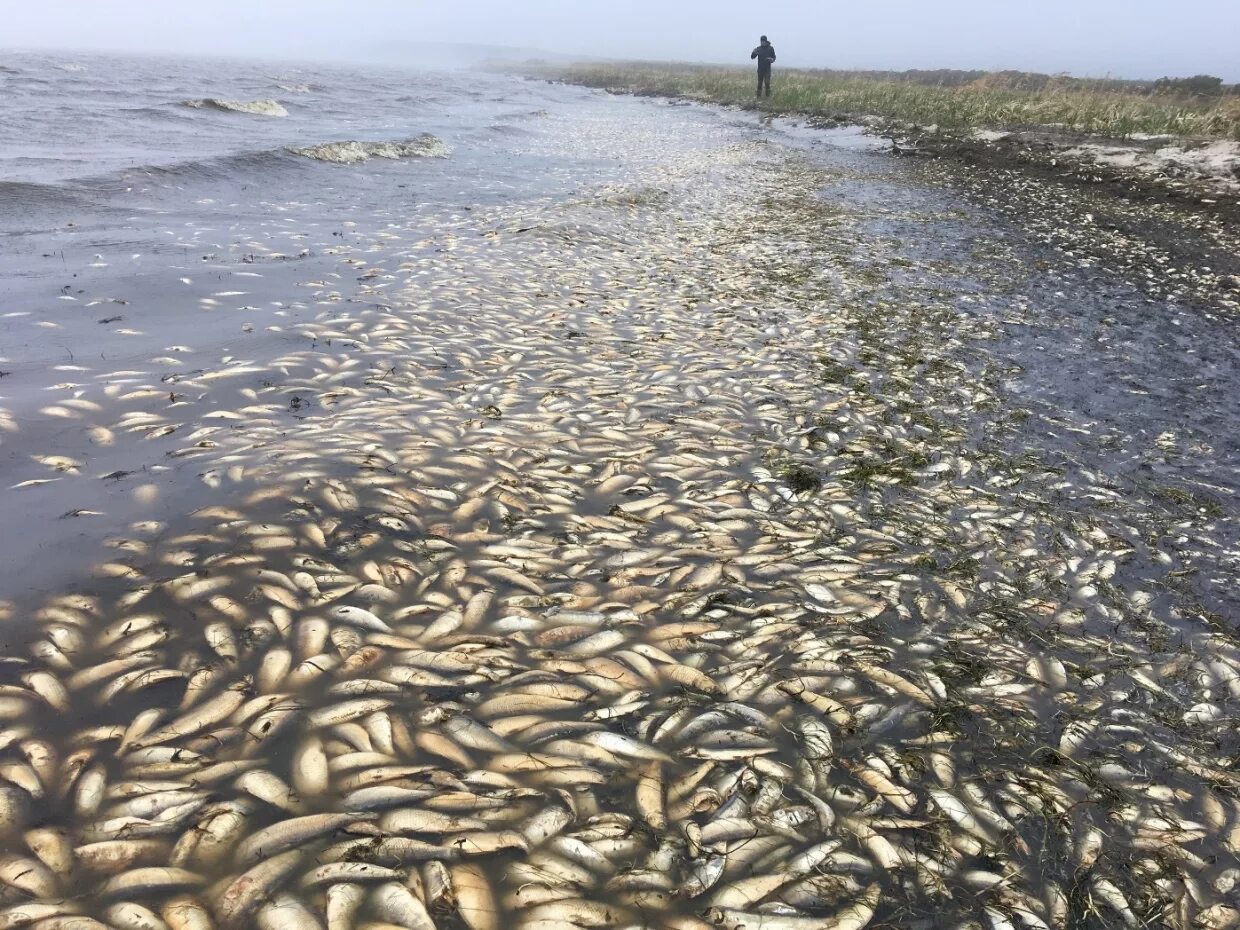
(253, 107)
(28, 194)
(351, 152)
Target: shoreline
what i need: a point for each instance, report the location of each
(1141, 166)
(1191, 222)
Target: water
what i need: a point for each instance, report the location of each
(109, 156)
(117, 117)
(127, 212)
(531, 390)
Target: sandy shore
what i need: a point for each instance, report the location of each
(698, 551)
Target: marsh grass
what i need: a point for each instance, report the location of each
(1099, 108)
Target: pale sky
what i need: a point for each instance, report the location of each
(1126, 38)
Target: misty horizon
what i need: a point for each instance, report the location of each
(1138, 40)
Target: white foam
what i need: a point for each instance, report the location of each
(253, 107)
(352, 152)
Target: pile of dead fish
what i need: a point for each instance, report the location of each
(580, 616)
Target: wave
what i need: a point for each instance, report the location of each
(157, 112)
(507, 130)
(294, 88)
(96, 190)
(351, 152)
(223, 168)
(16, 194)
(253, 107)
(240, 165)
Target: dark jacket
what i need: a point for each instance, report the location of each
(765, 55)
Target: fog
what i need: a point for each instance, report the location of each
(1124, 38)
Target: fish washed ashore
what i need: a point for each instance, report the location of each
(663, 535)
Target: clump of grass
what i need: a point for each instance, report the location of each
(833, 372)
(641, 197)
(869, 472)
(1188, 500)
(800, 479)
(1110, 108)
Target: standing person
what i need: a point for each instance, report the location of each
(765, 53)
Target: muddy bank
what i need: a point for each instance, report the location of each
(1169, 246)
(1176, 234)
(1201, 173)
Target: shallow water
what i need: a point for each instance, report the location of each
(610, 433)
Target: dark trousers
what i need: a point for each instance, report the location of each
(764, 81)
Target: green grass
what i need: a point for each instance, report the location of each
(993, 101)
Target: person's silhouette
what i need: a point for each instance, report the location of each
(765, 54)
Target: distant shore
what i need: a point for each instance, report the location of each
(1174, 139)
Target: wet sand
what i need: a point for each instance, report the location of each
(768, 536)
